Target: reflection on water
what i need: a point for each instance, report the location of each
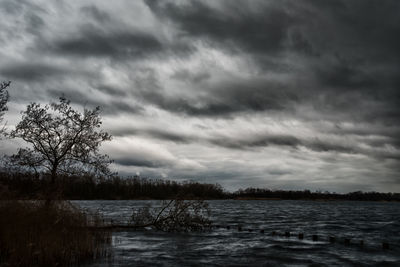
(372, 222)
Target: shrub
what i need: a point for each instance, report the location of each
(176, 215)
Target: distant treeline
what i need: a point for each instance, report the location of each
(30, 186)
(87, 187)
(257, 193)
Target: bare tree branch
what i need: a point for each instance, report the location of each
(177, 215)
(4, 96)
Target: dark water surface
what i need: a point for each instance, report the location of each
(372, 222)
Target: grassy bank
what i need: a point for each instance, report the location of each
(33, 233)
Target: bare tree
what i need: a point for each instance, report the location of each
(62, 140)
(3, 102)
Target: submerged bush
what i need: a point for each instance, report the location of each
(33, 233)
(176, 215)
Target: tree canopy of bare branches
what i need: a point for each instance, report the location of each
(3, 102)
(62, 140)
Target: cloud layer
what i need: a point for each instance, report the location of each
(281, 94)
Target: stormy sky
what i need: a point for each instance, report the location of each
(278, 94)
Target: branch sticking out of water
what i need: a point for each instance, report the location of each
(175, 215)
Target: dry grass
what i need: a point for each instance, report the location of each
(33, 233)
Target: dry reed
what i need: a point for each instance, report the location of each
(35, 233)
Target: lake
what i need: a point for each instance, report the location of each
(372, 222)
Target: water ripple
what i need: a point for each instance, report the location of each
(372, 222)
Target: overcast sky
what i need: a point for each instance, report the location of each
(278, 94)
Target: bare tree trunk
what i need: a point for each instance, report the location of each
(51, 193)
(53, 175)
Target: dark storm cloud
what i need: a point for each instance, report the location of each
(365, 130)
(156, 133)
(187, 76)
(95, 42)
(118, 107)
(192, 108)
(205, 107)
(341, 75)
(110, 90)
(261, 31)
(347, 49)
(120, 44)
(359, 47)
(367, 27)
(32, 71)
(250, 141)
(279, 172)
(257, 141)
(169, 136)
(139, 162)
(222, 99)
(326, 146)
(253, 95)
(313, 144)
(290, 141)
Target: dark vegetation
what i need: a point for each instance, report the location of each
(35, 234)
(175, 215)
(257, 193)
(31, 186)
